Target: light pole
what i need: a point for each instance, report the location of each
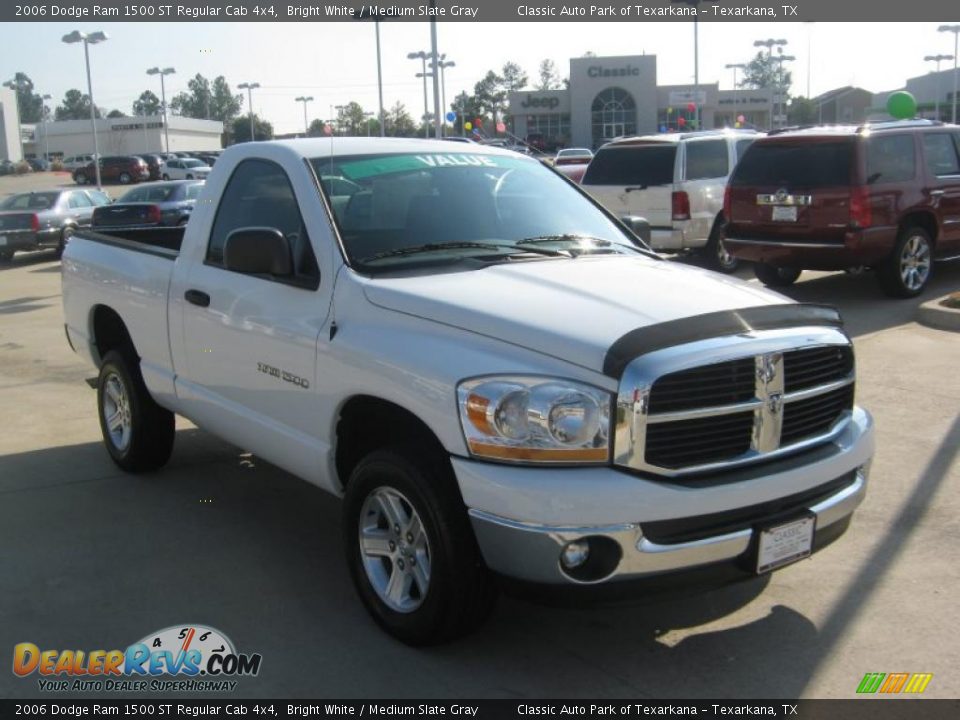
(305, 100)
(43, 119)
(443, 65)
(250, 87)
(809, 53)
(340, 116)
(769, 44)
(369, 116)
(15, 86)
(736, 92)
(955, 29)
(380, 82)
(937, 59)
(781, 58)
(163, 101)
(422, 57)
(89, 39)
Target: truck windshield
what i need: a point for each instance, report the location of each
(398, 208)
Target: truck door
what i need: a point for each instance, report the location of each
(942, 154)
(250, 341)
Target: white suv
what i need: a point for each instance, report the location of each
(676, 182)
(75, 162)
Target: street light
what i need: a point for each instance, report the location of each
(936, 102)
(696, 57)
(736, 93)
(163, 101)
(89, 39)
(423, 57)
(250, 87)
(43, 118)
(443, 65)
(340, 116)
(369, 116)
(769, 44)
(427, 115)
(305, 100)
(781, 58)
(955, 29)
(15, 86)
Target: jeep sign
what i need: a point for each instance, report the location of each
(550, 103)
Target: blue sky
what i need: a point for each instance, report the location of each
(335, 62)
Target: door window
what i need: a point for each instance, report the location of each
(707, 159)
(940, 152)
(259, 194)
(890, 158)
(79, 200)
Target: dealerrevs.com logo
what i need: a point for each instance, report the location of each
(181, 658)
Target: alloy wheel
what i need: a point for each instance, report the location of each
(915, 262)
(116, 412)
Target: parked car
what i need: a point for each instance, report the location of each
(885, 196)
(75, 162)
(676, 182)
(163, 203)
(124, 169)
(210, 160)
(39, 164)
(7, 167)
(485, 366)
(188, 169)
(573, 156)
(573, 171)
(154, 163)
(45, 218)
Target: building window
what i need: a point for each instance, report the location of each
(549, 132)
(614, 114)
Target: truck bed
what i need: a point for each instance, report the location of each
(160, 241)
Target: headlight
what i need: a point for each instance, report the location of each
(535, 420)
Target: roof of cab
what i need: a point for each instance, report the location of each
(678, 136)
(322, 147)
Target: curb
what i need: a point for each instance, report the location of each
(933, 314)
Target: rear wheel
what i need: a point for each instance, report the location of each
(125, 178)
(80, 178)
(166, 177)
(773, 276)
(6, 255)
(909, 268)
(410, 548)
(137, 432)
(715, 254)
(189, 176)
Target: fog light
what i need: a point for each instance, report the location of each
(575, 554)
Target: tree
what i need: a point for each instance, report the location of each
(489, 95)
(549, 77)
(351, 119)
(398, 123)
(802, 111)
(318, 128)
(30, 103)
(224, 105)
(514, 78)
(116, 114)
(241, 129)
(206, 100)
(75, 106)
(147, 104)
(764, 72)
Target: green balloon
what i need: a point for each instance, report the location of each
(901, 105)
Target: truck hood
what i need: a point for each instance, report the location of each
(573, 309)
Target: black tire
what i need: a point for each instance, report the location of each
(189, 177)
(460, 593)
(6, 255)
(907, 271)
(147, 440)
(125, 178)
(80, 178)
(166, 177)
(65, 235)
(773, 276)
(715, 256)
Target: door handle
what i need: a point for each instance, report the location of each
(197, 297)
(937, 193)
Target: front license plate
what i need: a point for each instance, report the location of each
(784, 213)
(783, 544)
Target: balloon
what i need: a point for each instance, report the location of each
(328, 129)
(669, 110)
(663, 128)
(691, 106)
(741, 119)
(693, 124)
(501, 127)
(901, 105)
(478, 122)
(451, 116)
(681, 122)
(468, 125)
(736, 124)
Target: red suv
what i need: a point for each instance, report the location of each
(884, 196)
(123, 169)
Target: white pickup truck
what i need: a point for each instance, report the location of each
(490, 369)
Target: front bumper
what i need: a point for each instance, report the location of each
(523, 517)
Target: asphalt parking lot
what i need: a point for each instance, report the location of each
(93, 558)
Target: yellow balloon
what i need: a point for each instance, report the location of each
(736, 124)
(669, 110)
(468, 126)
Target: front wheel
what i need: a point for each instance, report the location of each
(908, 269)
(125, 178)
(189, 177)
(410, 549)
(773, 276)
(137, 432)
(166, 177)
(80, 178)
(715, 254)
(6, 255)
(65, 235)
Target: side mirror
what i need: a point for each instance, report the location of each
(639, 225)
(258, 251)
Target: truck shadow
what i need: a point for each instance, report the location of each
(98, 558)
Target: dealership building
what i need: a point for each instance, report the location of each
(610, 97)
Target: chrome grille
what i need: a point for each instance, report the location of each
(729, 401)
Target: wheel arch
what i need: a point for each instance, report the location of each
(923, 219)
(366, 423)
(109, 332)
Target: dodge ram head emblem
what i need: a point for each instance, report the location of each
(768, 416)
(781, 196)
(775, 404)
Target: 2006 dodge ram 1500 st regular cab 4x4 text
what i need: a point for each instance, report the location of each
(487, 366)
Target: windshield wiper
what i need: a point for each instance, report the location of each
(434, 247)
(565, 237)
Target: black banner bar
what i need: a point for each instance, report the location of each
(107, 11)
(867, 708)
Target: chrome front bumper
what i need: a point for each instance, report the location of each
(531, 551)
